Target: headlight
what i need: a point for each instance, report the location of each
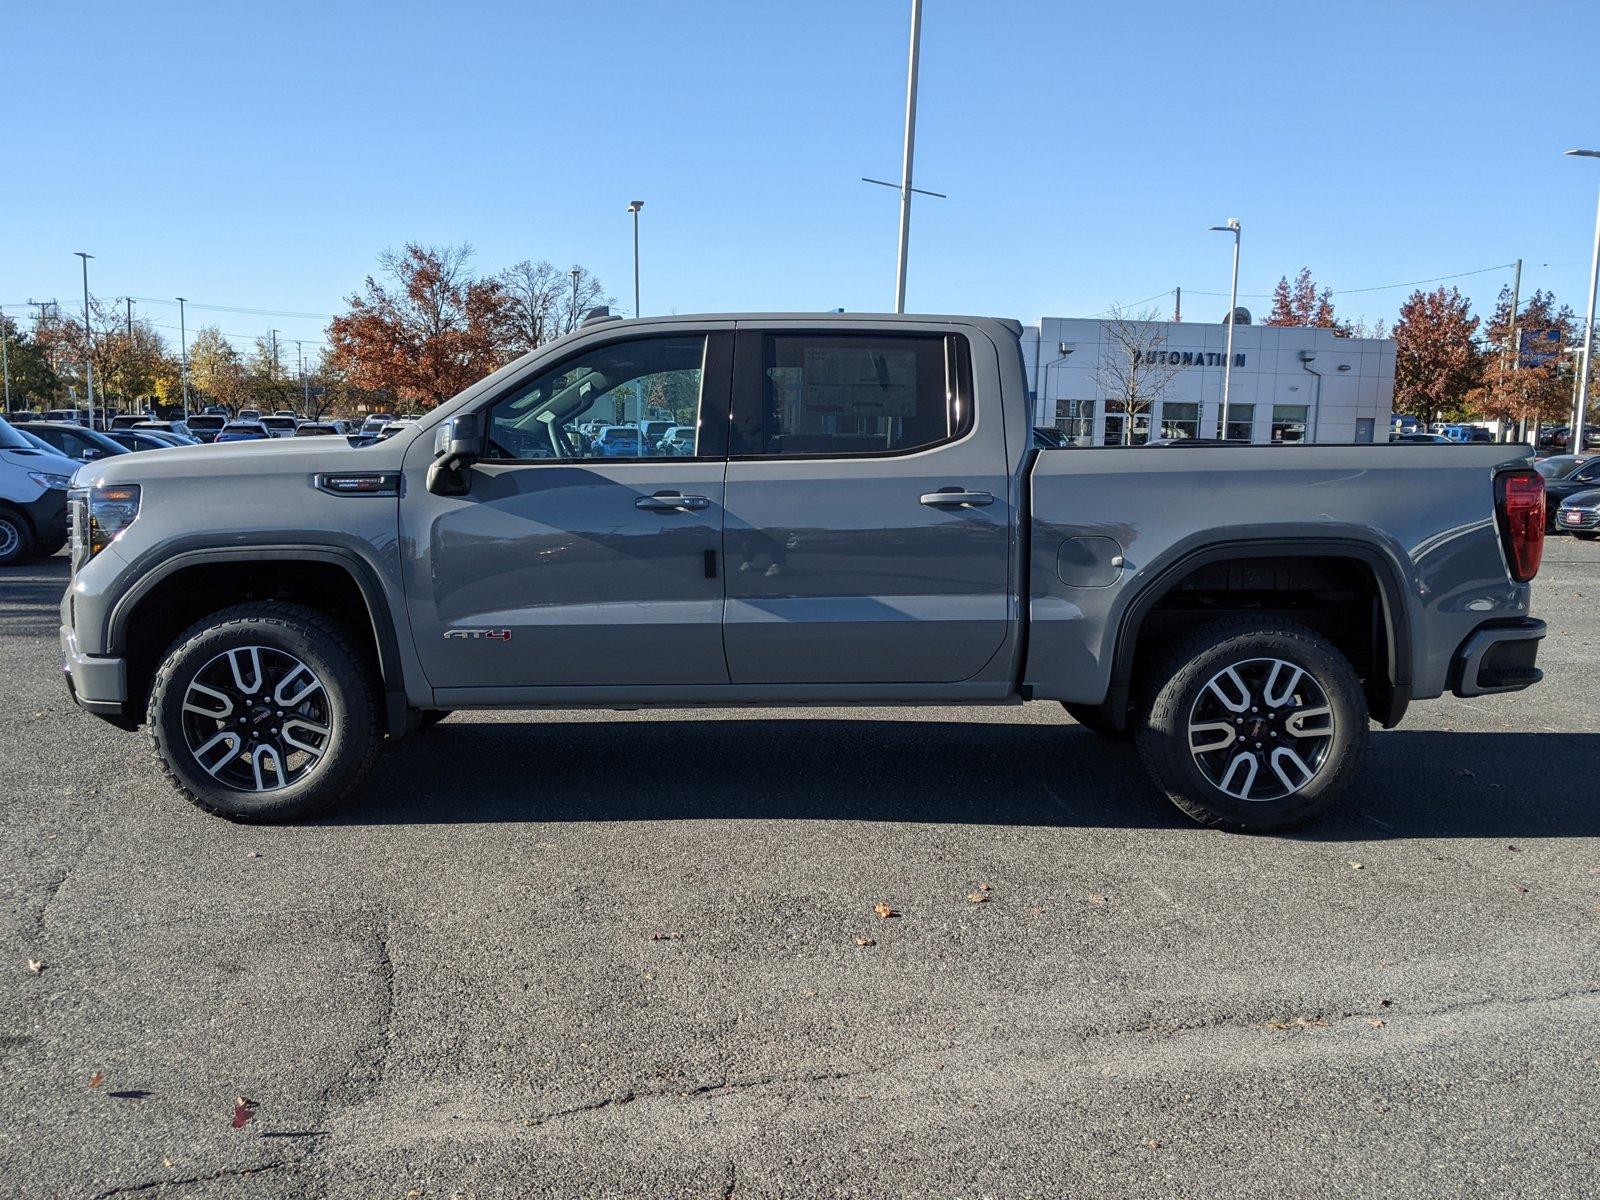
(50, 481)
(110, 511)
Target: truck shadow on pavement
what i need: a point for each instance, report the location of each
(1422, 784)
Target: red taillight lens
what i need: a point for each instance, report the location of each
(1519, 504)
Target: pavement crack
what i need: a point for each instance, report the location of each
(129, 1189)
(730, 1180)
(371, 1064)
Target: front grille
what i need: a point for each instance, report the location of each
(1588, 518)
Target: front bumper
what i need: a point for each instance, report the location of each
(98, 684)
(49, 515)
(1498, 658)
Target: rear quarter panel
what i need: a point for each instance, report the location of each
(1427, 510)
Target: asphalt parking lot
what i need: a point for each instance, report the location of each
(612, 954)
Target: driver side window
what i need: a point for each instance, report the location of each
(634, 399)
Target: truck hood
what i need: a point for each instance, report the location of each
(239, 461)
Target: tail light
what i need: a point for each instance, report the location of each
(1519, 508)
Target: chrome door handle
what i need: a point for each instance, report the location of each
(957, 499)
(668, 501)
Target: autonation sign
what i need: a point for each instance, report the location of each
(1189, 358)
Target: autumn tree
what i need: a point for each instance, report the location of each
(429, 330)
(1436, 363)
(216, 372)
(33, 379)
(63, 339)
(1518, 386)
(1302, 305)
(1132, 370)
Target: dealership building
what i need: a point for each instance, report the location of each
(1289, 384)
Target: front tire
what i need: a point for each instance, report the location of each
(16, 539)
(265, 712)
(1252, 724)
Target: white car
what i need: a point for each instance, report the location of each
(33, 498)
(679, 442)
(280, 426)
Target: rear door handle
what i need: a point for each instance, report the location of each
(667, 501)
(957, 499)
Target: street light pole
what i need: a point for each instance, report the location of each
(183, 350)
(5, 361)
(575, 273)
(88, 338)
(1580, 406)
(1233, 306)
(910, 148)
(634, 206)
(305, 384)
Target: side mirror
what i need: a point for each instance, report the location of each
(456, 447)
(91, 453)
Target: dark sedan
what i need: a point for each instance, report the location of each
(1584, 478)
(243, 431)
(85, 445)
(1580, 515)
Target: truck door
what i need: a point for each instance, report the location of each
(868, 510)
(582, 555)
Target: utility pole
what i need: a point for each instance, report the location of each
(5, 361)
(910, 149)
(183, 350)
(634, 206)
(129, 299)
(1516, 350)
(1177, 305)
(305, 384)
(88, 337)
(575, 273)
(1580, 406)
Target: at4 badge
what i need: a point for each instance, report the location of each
(480, 635)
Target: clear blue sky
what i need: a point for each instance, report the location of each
(261, 155)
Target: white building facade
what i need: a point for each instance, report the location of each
(1288, 385)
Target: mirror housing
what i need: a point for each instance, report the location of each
(456, 447)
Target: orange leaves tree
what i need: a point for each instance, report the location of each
(424, 331)
(1531, 389)
(1436, 363)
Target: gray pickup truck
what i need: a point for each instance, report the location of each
(863, 516)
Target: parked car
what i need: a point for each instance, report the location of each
(244, 431)
(394, 427)
(1401, 423)
(618, 441)
(149, 439)
(1559, 466)
(1582, 478)
(1244, 622)
(33, 498)
(129, 420)
(166, 426)
(1558, 439)
(1423, 438)
(279, 425)
(204, 427)
(678, 442)
(373, 425)
(1579, 515)
(1466, 433)
(654, 430)
(248, 415)
(316, 429)
(74, 441)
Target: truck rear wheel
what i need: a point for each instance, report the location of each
(264, 712)
(1252, 724)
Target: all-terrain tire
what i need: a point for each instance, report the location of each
(1174, 719)
(16, 538)
(348, 705)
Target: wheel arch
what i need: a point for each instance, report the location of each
(1389, 695)
(204, 562)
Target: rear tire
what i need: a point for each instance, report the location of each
(1093, 718)
(16, 539)
(1252, 724)
(265, 712)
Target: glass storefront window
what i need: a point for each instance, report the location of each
(1141, 428)
(1075, 420)
(1241, 422)
(1288, 424)
(1179, 420)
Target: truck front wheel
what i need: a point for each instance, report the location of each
(1252, 724)
(265, 712)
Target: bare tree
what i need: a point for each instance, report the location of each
(1134, 367)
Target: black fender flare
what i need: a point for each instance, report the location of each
(390, 666)
(1392, 699)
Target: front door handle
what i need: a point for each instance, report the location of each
(956, 499)
(667, 501)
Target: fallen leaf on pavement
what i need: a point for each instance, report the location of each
(254, 854)
(978, 897)
(1514, 849)
(97, 1079)
(1097, 898)
(1464, 771)
(1311, 1023)
(665, 937)
(1519, 888)
(243, 1109)
(884, 911)
(986, 887)
(863, 941)
(1152, 1144)
(1279, 1025)
(1386, 1003)
(1355, 866)
(35, 966)
(1375, 1022)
